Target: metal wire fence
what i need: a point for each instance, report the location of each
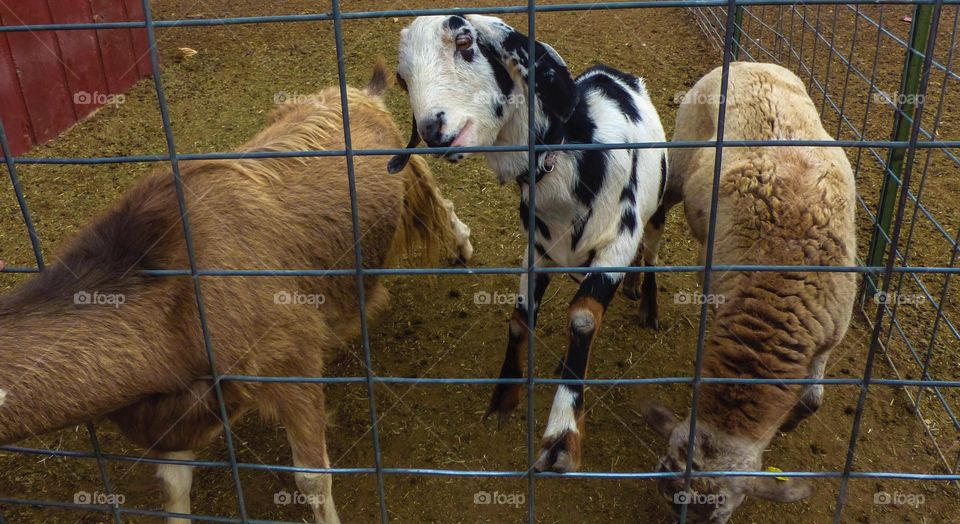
(839, 49)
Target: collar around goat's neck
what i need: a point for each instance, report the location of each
(544, 168)
(555, 135)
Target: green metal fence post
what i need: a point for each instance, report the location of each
(906, 101)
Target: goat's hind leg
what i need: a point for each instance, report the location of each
(506, 397)
(647, 252)
(302, 411)
(175, 483)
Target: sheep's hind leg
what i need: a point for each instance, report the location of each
(812, 396)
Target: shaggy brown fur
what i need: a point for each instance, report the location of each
(778, 206)
(140, 363)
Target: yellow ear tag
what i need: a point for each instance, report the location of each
(774, 469)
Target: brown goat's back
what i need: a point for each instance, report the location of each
(250, 213)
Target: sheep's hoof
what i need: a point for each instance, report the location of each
(560, 454)
(506, 398)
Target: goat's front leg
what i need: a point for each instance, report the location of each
(560, 447)
(506, 397)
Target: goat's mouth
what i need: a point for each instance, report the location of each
(463, 138)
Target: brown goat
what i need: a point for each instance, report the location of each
(91, 336)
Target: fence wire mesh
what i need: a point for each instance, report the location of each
(880, 74)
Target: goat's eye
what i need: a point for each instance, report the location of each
(401, 82)
(464, 41)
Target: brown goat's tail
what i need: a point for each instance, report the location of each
(425, 224)
(380, 81)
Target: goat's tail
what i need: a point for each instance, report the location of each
(426, 222)
(380, 81)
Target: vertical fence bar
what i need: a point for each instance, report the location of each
(21, 199)
(906, 101)
(846, 76)
(191, 254)
(532, 167)
(911, 151)
(708, 258)
(738, 32)
(358, 261)
(104, 475)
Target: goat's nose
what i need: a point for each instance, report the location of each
(430, 128)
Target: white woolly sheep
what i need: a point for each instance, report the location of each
(777, 205)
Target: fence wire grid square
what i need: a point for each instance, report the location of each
(843, 51)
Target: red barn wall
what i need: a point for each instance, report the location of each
(49, 80)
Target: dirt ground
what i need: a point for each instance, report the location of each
(220, 97)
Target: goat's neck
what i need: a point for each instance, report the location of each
(508, 166)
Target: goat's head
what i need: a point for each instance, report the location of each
(713, 499)
(467, 77)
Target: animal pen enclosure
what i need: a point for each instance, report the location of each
(881, 76)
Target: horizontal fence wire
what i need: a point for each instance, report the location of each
(745, 30)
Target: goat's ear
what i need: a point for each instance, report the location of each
(398, 162)
(660, 418)
(777, 490)
(554, 84)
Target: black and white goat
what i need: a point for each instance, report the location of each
(467, 82)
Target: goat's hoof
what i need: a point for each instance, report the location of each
(631, 291)
(506, 398)
(649, 315)
(560, 454)
(651, 321)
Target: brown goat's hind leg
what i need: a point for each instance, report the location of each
(175, 483)
(302, 412)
